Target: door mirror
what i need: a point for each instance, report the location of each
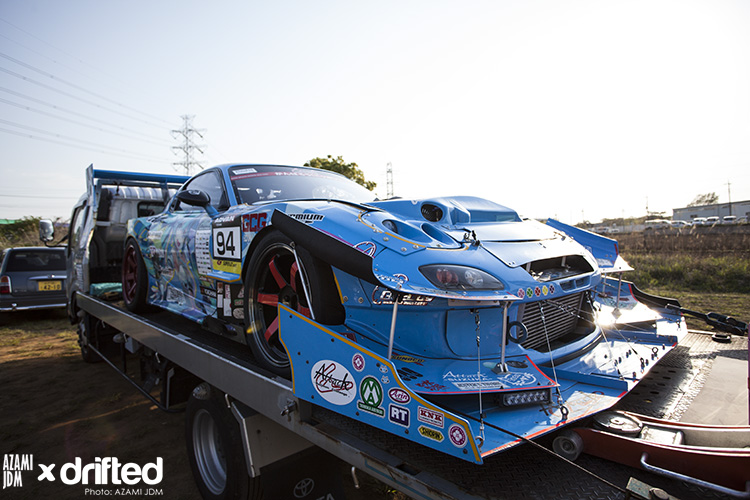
(194, 197)
(197, 198)
(46, 230)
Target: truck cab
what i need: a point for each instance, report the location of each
(98, 226)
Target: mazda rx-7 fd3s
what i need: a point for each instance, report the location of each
(447, 321)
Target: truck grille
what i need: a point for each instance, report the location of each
(560, 318)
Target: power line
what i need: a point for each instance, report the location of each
(44, 139)
(81, 99)
(77, 87)
(75, 58)
(49, 45)
(40, 197)
(65, 110)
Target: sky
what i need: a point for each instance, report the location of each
(566, 109)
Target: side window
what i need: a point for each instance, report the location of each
(149, 208)
(76, 226)
(211, 184)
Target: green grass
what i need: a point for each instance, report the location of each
(690, 272)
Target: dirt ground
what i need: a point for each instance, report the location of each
(56, 407)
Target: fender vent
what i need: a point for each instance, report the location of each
(432, 213)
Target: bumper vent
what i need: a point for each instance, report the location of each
(560, 318)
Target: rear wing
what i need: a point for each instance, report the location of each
(605, 250)
(96, 179)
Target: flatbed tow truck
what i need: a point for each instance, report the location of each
(244, 425)
(273, 424)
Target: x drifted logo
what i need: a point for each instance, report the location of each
(108, 470)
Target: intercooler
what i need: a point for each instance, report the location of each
(560, 318)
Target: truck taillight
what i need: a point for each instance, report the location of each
(5, 287)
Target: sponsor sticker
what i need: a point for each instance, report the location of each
(517, 379)
(432, 417)
(371, 394)
(385, 297)
(366, 247)
(431, 386)
(472, 382)
(358, 362)
(226, 219)
(252, 223)
(399, 395)
(408, 374)
(333, 382)
(398, 415)
(307, 218)
(457, 436)
(407, 359)
(228, 266)
(430, 433)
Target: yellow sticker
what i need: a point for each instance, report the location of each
(228, 266)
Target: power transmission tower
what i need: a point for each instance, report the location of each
(389, 180)
(186, 134)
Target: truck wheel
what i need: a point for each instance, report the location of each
(84, 338)
(214, 448)
(134, 278)
(568, 445)
(273, 277)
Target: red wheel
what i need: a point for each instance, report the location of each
(134, 278)
(273, 278)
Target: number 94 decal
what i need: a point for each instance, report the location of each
(227, 243)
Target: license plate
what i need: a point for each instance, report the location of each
(50, 286)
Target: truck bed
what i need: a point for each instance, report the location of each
(524, 471)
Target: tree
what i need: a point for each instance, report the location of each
(704, 199)
(350, 170)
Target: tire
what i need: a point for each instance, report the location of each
(134, 278)
(568, 445)
(272, 277)
(214, 447)
(84, 338)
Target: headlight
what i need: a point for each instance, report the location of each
(451, 277)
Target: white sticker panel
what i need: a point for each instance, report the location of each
(227, 243)
(203, 251)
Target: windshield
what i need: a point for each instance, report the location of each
(261, 183)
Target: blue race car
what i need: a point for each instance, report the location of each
(449, 321)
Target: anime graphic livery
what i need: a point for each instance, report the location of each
(451, 322)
